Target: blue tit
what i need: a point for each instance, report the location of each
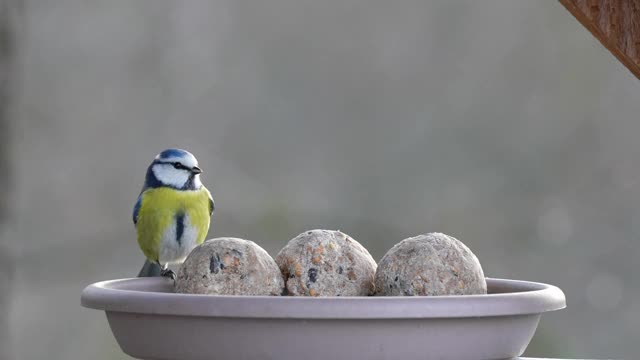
(173, 211)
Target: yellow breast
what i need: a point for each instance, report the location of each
(158, 211)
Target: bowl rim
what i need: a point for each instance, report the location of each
(518, 298)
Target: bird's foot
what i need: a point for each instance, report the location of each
(168, 273)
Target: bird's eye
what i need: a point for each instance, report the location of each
(178, 165)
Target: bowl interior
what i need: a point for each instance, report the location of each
(159, 285)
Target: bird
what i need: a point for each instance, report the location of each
(173, 212)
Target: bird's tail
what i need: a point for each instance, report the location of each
(149, 269)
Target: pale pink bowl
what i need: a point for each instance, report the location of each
(149, 321)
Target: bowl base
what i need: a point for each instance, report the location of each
(146, 336)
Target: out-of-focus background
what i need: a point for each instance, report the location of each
(503, 123)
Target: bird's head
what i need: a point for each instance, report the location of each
(174, 168)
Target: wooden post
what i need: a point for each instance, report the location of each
(615, 23)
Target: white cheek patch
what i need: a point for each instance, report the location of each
(169, 175)
(196, 181)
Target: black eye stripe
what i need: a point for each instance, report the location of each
(175, 164)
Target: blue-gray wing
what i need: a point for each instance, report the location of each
(136, 209)
(212, 205)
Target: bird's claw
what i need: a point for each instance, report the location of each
(168, 273)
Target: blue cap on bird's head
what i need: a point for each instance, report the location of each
(173, 153)
(174, 168)
(170, 155)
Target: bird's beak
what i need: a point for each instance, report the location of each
(196, 170)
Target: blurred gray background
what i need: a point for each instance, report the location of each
(502, 123)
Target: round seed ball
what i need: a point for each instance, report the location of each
(229, 266)
(326, 263)
(430, 264)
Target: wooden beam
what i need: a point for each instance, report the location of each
(615, 23)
